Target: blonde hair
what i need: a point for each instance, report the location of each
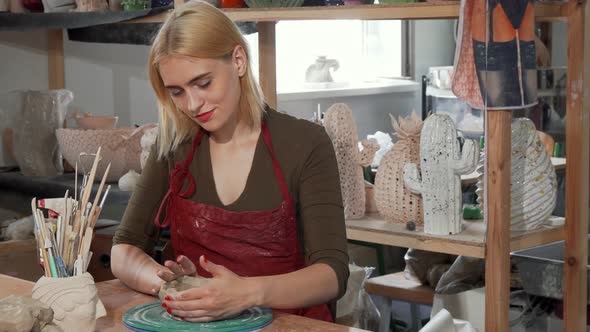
(199, 30)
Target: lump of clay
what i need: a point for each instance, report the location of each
(24, 314)
(21, 229)
(181, 284)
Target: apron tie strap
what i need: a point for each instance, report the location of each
(176, 180)
(165, 201)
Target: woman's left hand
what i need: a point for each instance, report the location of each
(225, 295)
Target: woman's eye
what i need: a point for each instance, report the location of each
(175, 93)
(204, 84)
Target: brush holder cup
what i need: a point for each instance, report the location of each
(74, 301)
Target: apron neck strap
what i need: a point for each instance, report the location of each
(275, 163)
(196, 142)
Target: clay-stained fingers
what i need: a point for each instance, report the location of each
(167, 275)
(187, 266)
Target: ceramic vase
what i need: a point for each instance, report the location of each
(341, 128)
(533, 182)
(320, 70)
(442, 163)
(395, 202)
(40, 114)
(74, 301)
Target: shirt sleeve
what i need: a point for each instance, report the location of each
(137, 226)
(321, 210)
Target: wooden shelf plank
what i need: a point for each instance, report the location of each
(31, 21)
(372, 228)
(543, 11)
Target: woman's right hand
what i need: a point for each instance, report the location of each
(182, 267)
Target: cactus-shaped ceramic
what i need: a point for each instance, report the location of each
(533, 182)
(341, 128)
(394, 201)
(442, 163)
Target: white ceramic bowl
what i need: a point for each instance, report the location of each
(96, 121)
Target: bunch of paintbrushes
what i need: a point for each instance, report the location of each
(64, 227)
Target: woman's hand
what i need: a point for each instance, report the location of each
(182, 267)
(225, 295)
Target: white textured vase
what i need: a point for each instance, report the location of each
(442, 163)
(341, 128)
(533, 182)
(74, 301)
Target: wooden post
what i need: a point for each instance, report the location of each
(587, 72)
(576, 171)
(498, 147)
(267, 61)
(55, 59)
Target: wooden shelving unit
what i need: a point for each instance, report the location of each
(416, 11)
(470, 242)
(499, 242)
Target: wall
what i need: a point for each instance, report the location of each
(434, 45)
(370, 110)
(111, 79)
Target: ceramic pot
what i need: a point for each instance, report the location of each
(120, 147)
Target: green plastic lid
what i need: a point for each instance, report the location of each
(152, 317)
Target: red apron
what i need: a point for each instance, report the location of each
(249, 243)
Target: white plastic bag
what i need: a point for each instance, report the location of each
(356, 308)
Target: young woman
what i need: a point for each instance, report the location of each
(251, 196)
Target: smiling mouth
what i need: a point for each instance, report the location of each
(203, 117)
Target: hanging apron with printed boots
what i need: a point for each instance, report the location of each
(495, 62)
(250, 243)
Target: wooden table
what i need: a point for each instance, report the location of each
(117, 299)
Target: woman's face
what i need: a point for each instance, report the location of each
(206, 90)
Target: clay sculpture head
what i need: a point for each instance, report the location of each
(74, 301)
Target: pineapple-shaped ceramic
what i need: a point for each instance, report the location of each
(394, 201)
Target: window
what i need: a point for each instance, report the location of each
(365, 50)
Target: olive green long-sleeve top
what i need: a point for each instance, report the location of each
(308, 162)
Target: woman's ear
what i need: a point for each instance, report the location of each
(240, 60)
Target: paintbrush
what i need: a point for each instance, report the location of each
(40, 237)
(76, 183)
(93, 213)
(86, 194)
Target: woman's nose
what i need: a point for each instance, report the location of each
(194, 102)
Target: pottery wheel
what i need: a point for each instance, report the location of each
(152, 317)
